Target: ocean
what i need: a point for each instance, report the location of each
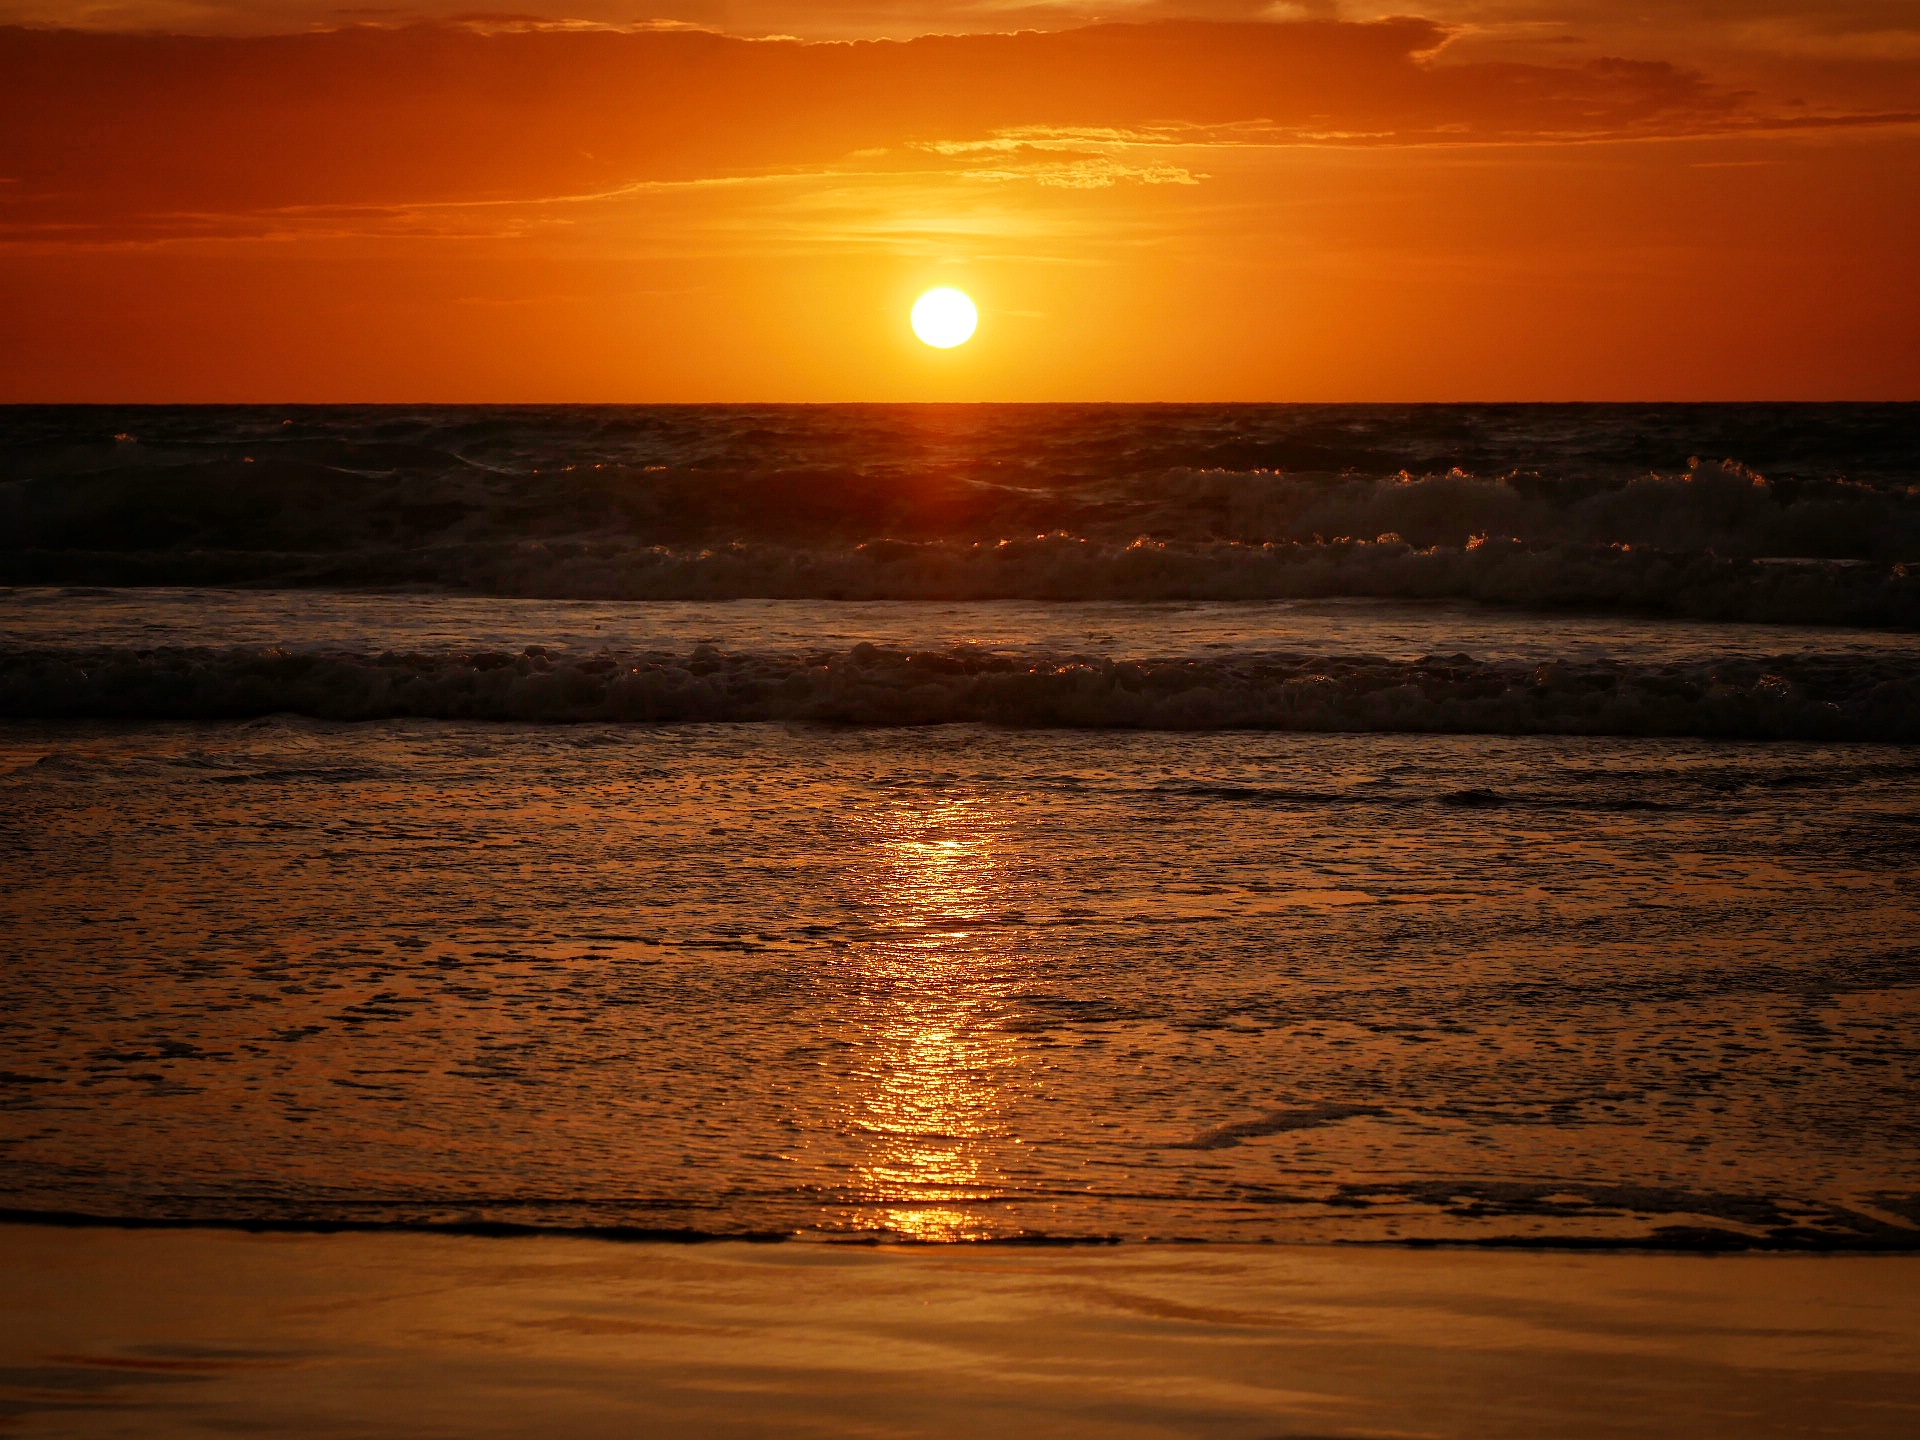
(1456, 824)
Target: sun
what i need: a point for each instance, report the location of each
(944, 318)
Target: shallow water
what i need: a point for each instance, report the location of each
(958, 983)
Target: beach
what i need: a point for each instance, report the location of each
(200, 1333)
(959, 720)
(619, 969)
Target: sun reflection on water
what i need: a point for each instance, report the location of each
(936, 1058)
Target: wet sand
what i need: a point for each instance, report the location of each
(198, 1333)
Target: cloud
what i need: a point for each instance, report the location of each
(1091, 174)
(149, 135)
(1069, 158)
(1610, 23)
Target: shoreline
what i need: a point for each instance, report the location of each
(1698, 1242)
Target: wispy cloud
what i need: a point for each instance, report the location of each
(142, 136)
(1091, 174)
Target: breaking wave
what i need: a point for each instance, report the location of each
(1516, 573)
(1784, 697)
(1622, 507)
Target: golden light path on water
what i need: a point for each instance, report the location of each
(934, 983)
(959, 983)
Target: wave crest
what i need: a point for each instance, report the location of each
(1062, 566)
(1786, 697)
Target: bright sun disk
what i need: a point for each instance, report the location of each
(944, 318)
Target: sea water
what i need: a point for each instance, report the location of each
(1287, 919)
(960, 982)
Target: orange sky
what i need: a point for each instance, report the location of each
(241, 200)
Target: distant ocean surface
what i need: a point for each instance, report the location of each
(1466, 823)
(1669, 509)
